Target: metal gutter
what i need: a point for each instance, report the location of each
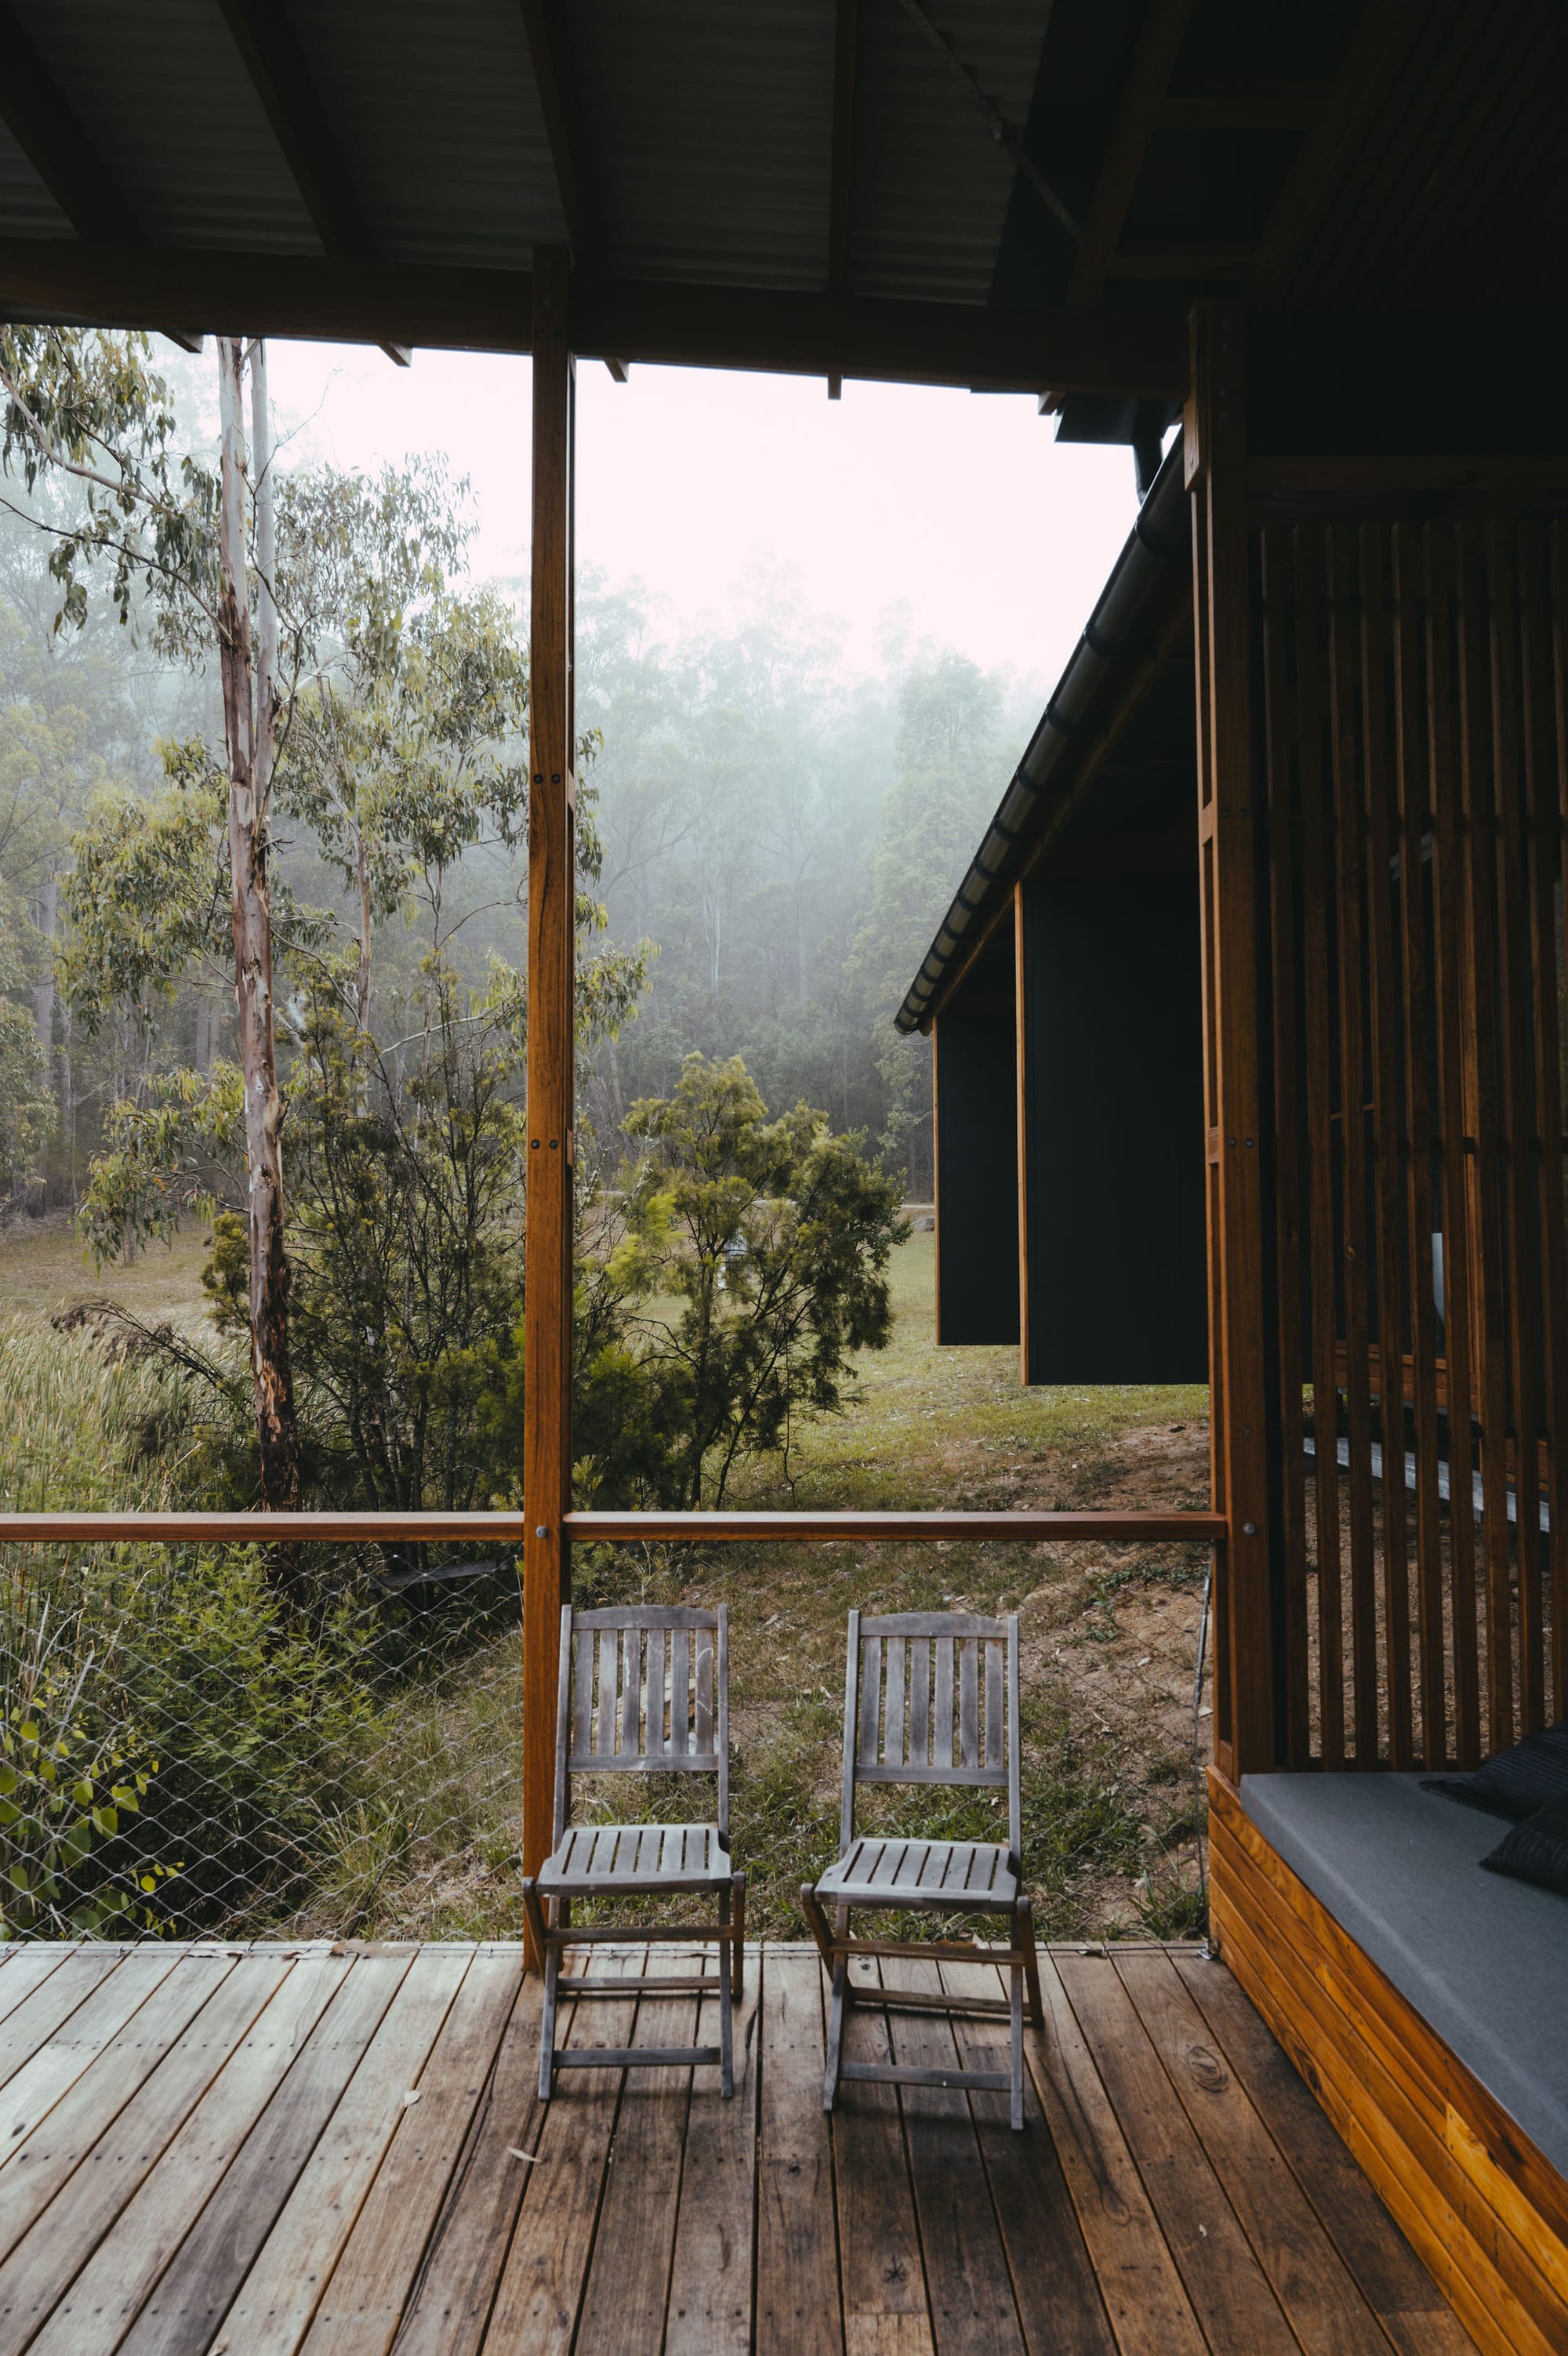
(1140, 580)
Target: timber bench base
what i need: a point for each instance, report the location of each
(1479, 2203)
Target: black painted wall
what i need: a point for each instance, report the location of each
(1113, 1129)
(977, 1157)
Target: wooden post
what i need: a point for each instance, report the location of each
(547, 1431)
(1020, 1043)
(1216, 458)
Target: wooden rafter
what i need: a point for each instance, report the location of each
(54, 142)
(841, 185)
(678, 324)
(847, 61)
(270, 51)
(1148, 79)
(566, 127)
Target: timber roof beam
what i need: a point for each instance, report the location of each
(679, 325)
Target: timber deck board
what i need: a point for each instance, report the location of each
(289, 2149)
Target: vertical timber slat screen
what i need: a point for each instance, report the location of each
(1413, 743)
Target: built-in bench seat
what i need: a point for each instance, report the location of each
(1426, 2003)
(1483, 1959)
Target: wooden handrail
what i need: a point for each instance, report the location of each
(796, 1528)
(509, 1528)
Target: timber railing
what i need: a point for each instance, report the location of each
(612, 1528)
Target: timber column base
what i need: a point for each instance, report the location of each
(1475, 2197)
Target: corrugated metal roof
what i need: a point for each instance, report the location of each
(438, 121)
(161, 94)
(933, 184)
(712, 125)
(1316, 157)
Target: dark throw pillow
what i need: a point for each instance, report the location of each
(1536, 1850)
(1533, 1774)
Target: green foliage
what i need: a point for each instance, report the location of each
(148, 893)
(84, 405)
(775, 1236)
(406, 1246)
(67, 1798)
(162, 1158)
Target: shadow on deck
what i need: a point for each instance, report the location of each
(263, 2150)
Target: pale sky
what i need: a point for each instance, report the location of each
(960, 505)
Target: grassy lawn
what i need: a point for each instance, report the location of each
(43, 1270)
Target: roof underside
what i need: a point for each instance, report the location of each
(1091, 163)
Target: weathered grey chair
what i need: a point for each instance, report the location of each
(644, 1691)
(910, 1675)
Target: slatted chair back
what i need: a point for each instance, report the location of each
(643, 1691)
(933, 1697)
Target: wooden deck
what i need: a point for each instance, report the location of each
(257, 2150)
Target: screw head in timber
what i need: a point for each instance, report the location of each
(1249, 1529)
(540, 1531)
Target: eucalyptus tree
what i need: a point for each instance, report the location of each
(198, 552)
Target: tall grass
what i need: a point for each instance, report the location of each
(83, 1433)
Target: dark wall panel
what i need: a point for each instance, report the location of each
(1113, 1129)
(977, 1171)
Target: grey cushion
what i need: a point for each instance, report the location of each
(1483, 1959)
(1536, 1850)
(1530, 1775)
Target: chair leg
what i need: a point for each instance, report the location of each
(811, 1907)
(737, 1952)
(1023, 1941)
(835, 2034)
(726, 2009)
(1015, 1992)
(549, 1966)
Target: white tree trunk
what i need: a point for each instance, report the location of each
(249, 723)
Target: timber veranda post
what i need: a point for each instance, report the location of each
(1215, 442)
(551, 893)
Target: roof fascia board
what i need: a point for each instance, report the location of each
(680, 324)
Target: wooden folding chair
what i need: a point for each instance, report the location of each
(910, 1676)
(638, 1694)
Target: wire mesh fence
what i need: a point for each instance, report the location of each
(188, 1747)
